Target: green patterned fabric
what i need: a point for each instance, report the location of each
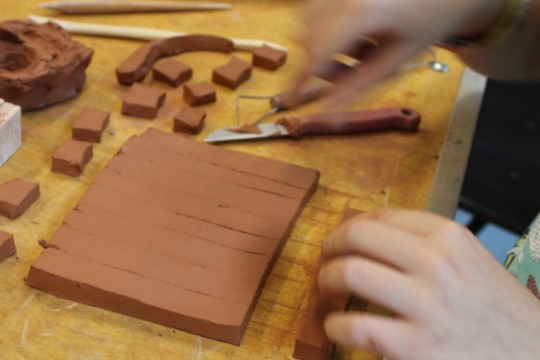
(524, 258)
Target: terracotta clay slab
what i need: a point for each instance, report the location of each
(143, 101)
(232, 74)
(311, 340)
(199, 93)
(90, 124)
(176, 232)
(171, 72)
(71, 158)
(16, 196)
(269, 58)
(189, 120)
(7, 245)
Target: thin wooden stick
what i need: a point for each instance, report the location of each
(141, 33)
(107, 7)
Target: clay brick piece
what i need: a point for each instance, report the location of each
(311, 340)
(16, 196)
(189, 120)
(143, 101)
(232, 74)
(89, 125)
(173, 231)
(171, 72)
(71, 158)
(7, 245)
(199, 94)
(269, 58)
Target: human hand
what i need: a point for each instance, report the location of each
(401, 28)
(450, 298)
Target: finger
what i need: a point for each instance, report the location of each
(374, 239)
(416, 221)
(390, 337)
(372, 281)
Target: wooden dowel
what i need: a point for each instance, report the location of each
(141, 33)
(108, 7)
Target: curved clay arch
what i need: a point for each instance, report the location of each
(138, 64)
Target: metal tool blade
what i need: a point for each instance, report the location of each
(267, 131)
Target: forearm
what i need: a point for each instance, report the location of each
(517, 57)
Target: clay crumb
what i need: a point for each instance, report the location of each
(247, 129)
(45, 244)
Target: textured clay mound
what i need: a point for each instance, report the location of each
(183, 219)
(40, 65)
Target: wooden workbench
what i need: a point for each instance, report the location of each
(364, 172)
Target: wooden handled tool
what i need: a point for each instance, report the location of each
(109, 7)
(337, 123)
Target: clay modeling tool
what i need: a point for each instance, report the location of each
(109, 7)
(10, 130)
(339, 123)
(141, 33)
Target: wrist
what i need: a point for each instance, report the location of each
(495, 30)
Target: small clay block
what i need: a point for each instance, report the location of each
(311, 340)
(269, 58)
(71, 158)
(232, 74)
(90, 124)
(143, 101)
(199, 94)
(7, 245)
(16, 196)
(171, 72)
(189, 120)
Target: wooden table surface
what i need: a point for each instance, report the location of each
(363, 171)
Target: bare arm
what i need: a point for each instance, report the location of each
(517, 57)
(403, 28)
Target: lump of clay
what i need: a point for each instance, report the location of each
(143, 101)
(89, 125)
(199, 94)
(40, 65)
(16, 196)
(189, 120)
(232, 74)
(269, 58)
(71, 158)
(137, 65)
(7, 245)
(171, 72)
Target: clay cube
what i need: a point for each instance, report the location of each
(189, 120)
(7, 245)
(269, 58)
(233, 74)
(90, 124)
(16, 196)
(199, 94)
(143, 101)
(171, 72)
(71, 158)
